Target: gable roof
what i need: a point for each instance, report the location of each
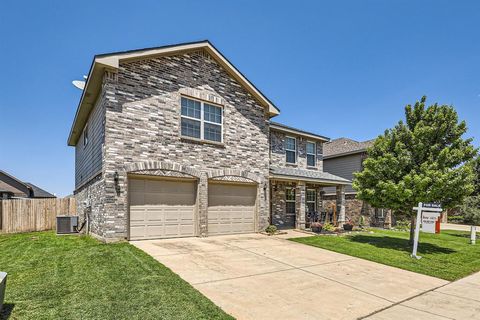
(5, 187)
(39, 192)
(9, 183)
(281, 127)
(344, 146)
(112, 61)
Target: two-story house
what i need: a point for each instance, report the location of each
(175, 142)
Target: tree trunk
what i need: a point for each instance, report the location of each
(412, 229)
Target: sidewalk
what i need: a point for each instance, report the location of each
(457, 300)
(458, 227)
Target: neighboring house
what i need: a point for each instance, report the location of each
(343, 157)
(175, 142)
(11, 187)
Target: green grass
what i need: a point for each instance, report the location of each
(73, 277)
(447, 255)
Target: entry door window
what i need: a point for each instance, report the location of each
(311, 200)
(290, 200)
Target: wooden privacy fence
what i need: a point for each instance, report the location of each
(25, 215)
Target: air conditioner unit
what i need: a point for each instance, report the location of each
(3, 287)
(67, 224)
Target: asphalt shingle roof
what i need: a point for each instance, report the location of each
(307, 174)
(39, 192)
(345, 146)
(300, 131)
(5, 187)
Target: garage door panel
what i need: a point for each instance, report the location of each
(172, 199)
(158, 211)
(231, 208)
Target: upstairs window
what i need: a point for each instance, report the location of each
(201, 120)
(311, 154)
(291, 150)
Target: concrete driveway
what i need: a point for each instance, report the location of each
(259, 277)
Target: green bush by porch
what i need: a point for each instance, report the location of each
(447, 255)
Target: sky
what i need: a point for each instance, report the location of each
(336, 68)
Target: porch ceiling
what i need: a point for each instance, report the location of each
(314, 176)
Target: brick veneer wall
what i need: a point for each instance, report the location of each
(278, 157)
(143, 126)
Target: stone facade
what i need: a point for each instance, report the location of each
(278, 157)
(90, 205)
(279, 216)
(299, 220)
(142, 133)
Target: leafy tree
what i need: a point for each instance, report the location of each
(476, 170)
(471, 210)
(470, 207)
(424, 159)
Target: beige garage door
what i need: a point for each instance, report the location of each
(161, 208)
(231, 208)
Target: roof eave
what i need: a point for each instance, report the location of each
(345, 154)
(299, 132)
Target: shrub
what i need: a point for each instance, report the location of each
(456, 219)
(361, 221)
(328, 227)
(271, 229)
(471, 210)
(403, 225)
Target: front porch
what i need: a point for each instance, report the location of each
(297, 197)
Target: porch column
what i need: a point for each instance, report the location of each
(319, 199)
(300, 200)
(340, 205)
(202, 196)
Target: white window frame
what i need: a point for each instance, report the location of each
(380, 213)
(296, 147)
(291, 201)
(86, 137)
(314, 154)
(310, 201)
(202, 120)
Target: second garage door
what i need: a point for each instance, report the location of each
(161, 208)
(231, 208)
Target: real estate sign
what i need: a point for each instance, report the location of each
(429, 220)
(427, 214)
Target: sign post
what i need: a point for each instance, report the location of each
(473, 234)
(427, 214)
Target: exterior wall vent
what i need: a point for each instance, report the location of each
(67, 224)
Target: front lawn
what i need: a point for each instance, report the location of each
(73, 277)
(447, 255)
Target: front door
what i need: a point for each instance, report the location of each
(311, 206)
